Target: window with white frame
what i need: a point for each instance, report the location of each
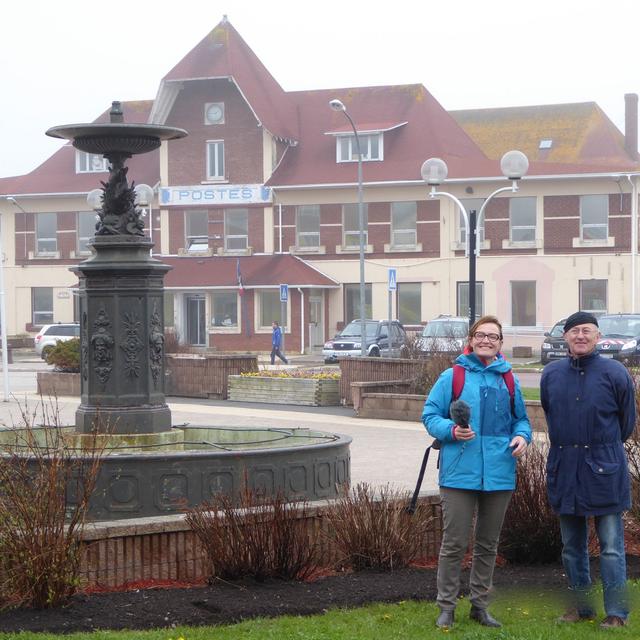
(308, 226)
(352, 302)
(197, 230)
(522, 219)
(90, 162)
(371, 147)
(46, 233)
(351, 225)
(470, 204)
(593, 296)
(462, 299)
(215, 160)
(41, 305)
(594, 217)
(403, 224)
(409, 302)
(224, 308)
(270, 308)
(523, 303)
(86, 229)
(236, 229)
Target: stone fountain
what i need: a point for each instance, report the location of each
(150, 467)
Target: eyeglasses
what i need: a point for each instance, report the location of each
(491, 337)
(585, 331)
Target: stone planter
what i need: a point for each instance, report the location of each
(301, 391)
(56, 383)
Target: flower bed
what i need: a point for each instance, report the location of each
(314, 390)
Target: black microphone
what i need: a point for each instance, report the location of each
(460, 413)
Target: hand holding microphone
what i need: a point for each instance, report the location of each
(460, 413)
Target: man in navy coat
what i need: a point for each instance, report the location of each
(589, 403)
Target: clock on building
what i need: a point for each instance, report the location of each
(214, 113)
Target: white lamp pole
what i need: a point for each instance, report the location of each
(3, 321)
(514, 165)
(337, 105)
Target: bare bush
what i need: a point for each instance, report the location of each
(632, 448)
(429, 372)
(372, 529)
(531, 531)
(257, 537)
(44, 499)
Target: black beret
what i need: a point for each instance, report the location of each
(579, 317)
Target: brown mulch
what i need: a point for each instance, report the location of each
(225, 603)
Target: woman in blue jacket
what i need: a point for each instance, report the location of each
(477, 465)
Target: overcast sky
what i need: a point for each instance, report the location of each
(64, 62)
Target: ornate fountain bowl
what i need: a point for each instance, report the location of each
(116, 137)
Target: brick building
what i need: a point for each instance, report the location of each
(263, 192)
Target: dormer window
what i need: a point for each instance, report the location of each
(90, 163)
(371, 147)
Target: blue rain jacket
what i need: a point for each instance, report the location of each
(589, 404)
(484, 463)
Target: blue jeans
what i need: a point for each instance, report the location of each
(613, 568)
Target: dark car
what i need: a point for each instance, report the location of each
(377, 341)
(620, 337)
(554, 346)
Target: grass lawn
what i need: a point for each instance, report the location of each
(527, 615)
(531, 393)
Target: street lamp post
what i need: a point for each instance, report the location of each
(337, 105)
(514, 165)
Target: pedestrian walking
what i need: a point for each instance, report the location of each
(276, 343)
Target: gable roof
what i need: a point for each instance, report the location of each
(58, 174)
(580, 134)
(430, 131)
(258, 271)
(223, 53)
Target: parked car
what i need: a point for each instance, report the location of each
(349, 343)
(444, 335)
(620, 337)
(554, 346)
(50, 334)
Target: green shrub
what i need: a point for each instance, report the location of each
(373, 530)
(65, 356)
(531, 530)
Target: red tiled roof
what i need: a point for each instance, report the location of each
(58, 174)
(257, 271)
(430, 131)
(223, 53)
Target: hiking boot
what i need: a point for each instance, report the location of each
(573, 615)
(483, 617)
(611, 622)
(445, 619)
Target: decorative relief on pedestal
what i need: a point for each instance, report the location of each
(84, 347)
(156, 345)
(102, 342)
(132, 345)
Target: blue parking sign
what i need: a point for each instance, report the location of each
(284, 292)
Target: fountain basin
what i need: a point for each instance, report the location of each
(145, 475)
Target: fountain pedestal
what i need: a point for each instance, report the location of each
(122, 338)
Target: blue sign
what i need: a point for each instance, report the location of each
(393, 280)
(284, 292)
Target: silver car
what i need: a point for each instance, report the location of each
(51, 334)
(444, 335)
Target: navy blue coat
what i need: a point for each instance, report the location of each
(590, 407)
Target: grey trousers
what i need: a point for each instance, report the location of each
(458, 507)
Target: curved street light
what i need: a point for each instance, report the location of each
(337, 105)
(513, 164)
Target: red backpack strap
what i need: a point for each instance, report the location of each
(510, 381)
(458, 381)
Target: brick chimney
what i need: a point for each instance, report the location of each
(631, 124)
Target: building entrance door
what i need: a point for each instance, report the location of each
(316, 323)
(196, 320)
